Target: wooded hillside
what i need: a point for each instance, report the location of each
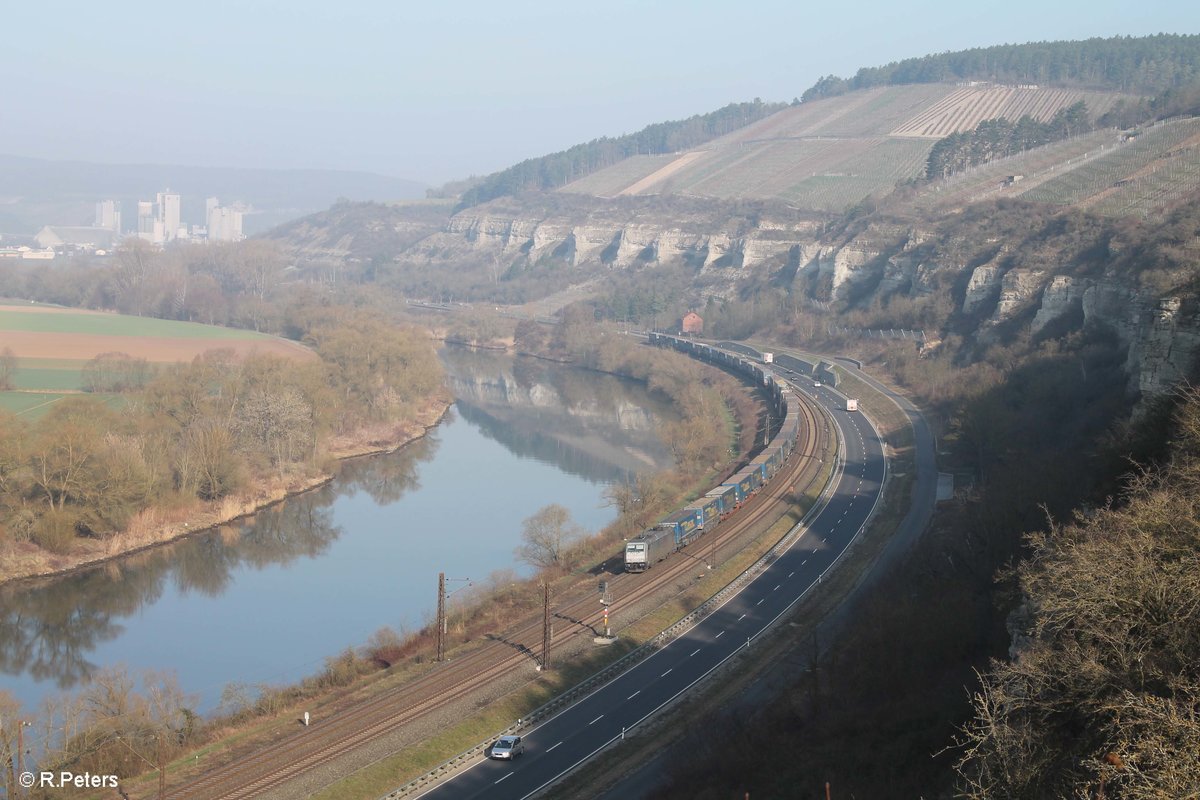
(1144, 65)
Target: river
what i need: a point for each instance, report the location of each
(267, 600)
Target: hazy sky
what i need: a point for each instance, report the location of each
(439, 92)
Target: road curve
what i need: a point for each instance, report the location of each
(560, 744)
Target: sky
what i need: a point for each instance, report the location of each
(439, 92)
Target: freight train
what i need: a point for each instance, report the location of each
(680, 528)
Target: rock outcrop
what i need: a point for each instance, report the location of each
(995, 282)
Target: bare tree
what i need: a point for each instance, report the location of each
(546, 537)
(8, 366)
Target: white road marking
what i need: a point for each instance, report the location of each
(805, 561)
(742, 617)
(759, 603)
(790, 574)
(635, 694)
(506, 777)
(665, 674)
(719, 635)
(548, 749)
(776, 589)
(597, 719)
(697, 650)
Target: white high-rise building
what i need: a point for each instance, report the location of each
(148, 226)
(168, 214)
(108, 215)
(224, 224)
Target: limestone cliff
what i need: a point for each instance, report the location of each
(617, 236)
(1000, 273)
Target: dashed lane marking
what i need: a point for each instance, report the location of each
(635, 694)
(506, 777)
(597, 719)
(548, 749)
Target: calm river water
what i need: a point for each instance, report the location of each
(267, 600)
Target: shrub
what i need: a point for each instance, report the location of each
(55, 531)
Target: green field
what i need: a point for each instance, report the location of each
(66, 379)
(37, 334)
(32, 405)
(54, 321)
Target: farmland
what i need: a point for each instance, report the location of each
(53, 345)
(829, 154)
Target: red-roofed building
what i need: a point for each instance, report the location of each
(692, 323)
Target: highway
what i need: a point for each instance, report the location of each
(558, 745)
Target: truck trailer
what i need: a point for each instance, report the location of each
(683, 525)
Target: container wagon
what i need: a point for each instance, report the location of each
(709, 509)
(748, 480)
(742, 483)
(684, 525)
(727, 496)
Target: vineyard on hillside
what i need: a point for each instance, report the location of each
(828, 154)
(1036, 166)
(875, 173)
(964, 108)
(612, 181)
(1153, 170)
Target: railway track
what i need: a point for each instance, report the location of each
(311, 747)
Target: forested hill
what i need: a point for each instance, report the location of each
(1148, 65)
(558, 169)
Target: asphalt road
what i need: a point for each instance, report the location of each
(560, 744)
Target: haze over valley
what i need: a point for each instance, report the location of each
(650, 402)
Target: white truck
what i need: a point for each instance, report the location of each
(851, 404)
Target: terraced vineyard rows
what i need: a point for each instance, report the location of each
(875, 171)
(769, 168)
(1161, 189)
(1125, 163)
(885, 108)
(986, 179)
(964, 108)
(609, 182)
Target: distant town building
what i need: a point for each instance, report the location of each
(108, 215)
(168, 208)
(26, 252)
(160, 222)
(148, 225)
(62, 238)
(692, 323)
(224, 224)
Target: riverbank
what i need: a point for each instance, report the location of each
(155, 527)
